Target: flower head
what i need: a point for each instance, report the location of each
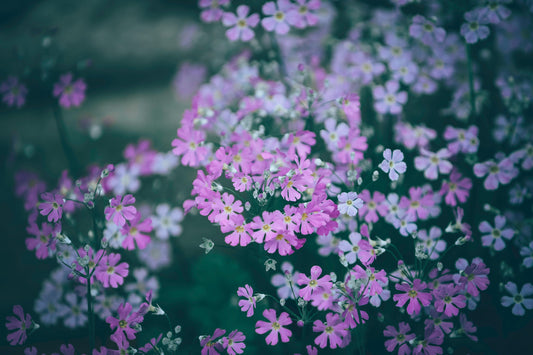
(71, 94)
(275, 326)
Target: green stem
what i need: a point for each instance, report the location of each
(91, 314)
(74, 166)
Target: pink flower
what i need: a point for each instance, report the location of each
(52, 206)
(118, 210)
(151, 345)
(462, 140)
(124, 325)
(399, 337)
(433, 163)
(189, 145)
(211, 346)
(225, 208)
(283, 242)
(248, 304)
(351, 148)
(109, 273)
(456, 189)
(275, 326)
(134, 233)
(419, 203)
(71, 94)
(334, 330)
(43, 240)
(240, 231)
(242, 182)
(92, 261)
(312, 217)
(141, 155)
(14, 92)
(233, 343)
(264, 228)
(241, 24)
(279, 19)
(313, 284)
(372, 279)
(414, 295)
(20, 324)
(372, 206)
(393, 164)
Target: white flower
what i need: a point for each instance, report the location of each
(393, 163)
(349, 203)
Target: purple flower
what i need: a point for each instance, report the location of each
(286, 282)
(241, 24)
(109, 273)
(275, 326)
(432, 243)
(448, 300)
(301, 16)
(393, 163)
(334, 329)
(166, 221)
(428, 346)
(433, 163)
(151, 345)
(527, 253)
(414, 295)
(212, 11)
(473, 276)
(388, 99)
(210, 346)
(71, 94)
(495, 12)
(426, 31)
(474, 30)
(118, 210)
(518, 299)
(495, 235)
(456, 189)
(20, 324)
(14, 92)
(52, 206)
(124, 324)
(399, 337)
(467, 327)
(498, 173)
(313, 284)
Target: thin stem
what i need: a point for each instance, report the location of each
(74, 166)
(91, 314)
